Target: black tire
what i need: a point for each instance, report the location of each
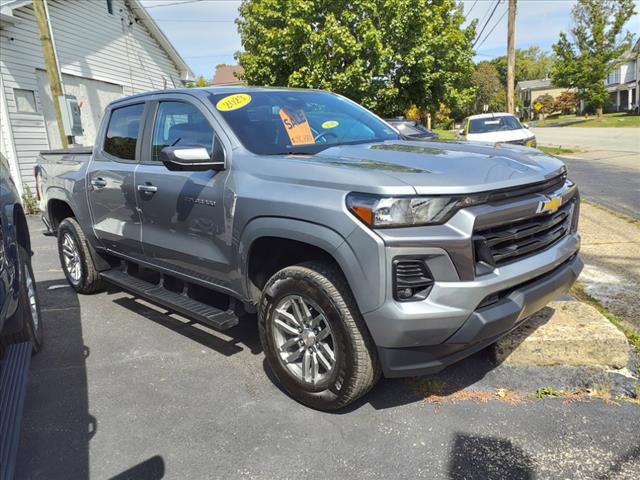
(356, 364)
(28, 315)
(89, 280)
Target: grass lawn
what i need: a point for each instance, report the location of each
(445, 134)
(607, 120)
(556, 150)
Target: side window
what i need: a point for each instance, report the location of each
(122, 133)
(180, 124)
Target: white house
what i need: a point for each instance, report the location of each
(106, 49)
(623, 82)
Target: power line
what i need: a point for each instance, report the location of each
(183, 20)
(159, 5)
(474, 4)
(485, 14)
(172, 3)
(493, 28)
(486, 23)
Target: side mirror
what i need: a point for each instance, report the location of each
(193, 158)
(461, 132)
(525, 125)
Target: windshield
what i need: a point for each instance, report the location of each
(285, 122)
(494, 124)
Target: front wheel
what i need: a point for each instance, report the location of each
(314, 337)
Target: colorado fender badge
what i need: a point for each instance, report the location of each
(550, 205)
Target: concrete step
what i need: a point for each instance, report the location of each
(568, 333)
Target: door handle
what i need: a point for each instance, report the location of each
(147, 188)
(99, 182)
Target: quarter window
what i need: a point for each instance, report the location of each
(122, 133)
(180, 124)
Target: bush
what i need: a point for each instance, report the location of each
(29, 202)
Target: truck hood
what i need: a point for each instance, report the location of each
(409, 167)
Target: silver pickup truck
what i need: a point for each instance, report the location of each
(363, 254)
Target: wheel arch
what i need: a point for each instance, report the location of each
(269, 235)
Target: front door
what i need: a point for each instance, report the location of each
(110, 182)
(184, 214)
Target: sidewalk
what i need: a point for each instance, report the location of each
(611, 251)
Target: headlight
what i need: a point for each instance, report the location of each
(380, 212)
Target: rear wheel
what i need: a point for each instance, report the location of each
(75, 258)
(314, 337)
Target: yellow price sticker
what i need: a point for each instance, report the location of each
(233, 102)
(330, 124)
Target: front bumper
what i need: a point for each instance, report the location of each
(484, 326)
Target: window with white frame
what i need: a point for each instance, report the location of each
(25, 100)
(614, 77)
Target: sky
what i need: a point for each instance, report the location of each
(204, 32)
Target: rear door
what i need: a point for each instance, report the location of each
(186, 216)
(110, 180)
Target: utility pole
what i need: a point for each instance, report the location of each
(51, 62)
(511, 56)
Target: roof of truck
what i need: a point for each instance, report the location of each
(203, 91)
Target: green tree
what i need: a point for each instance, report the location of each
(531, 63)
(200, 82)
(385, 54)
(489, 90)
(597, 42)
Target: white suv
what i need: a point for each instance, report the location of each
(497, 128)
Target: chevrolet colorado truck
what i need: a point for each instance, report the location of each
(363, 254)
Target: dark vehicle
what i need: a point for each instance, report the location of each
(364, 254)
(19, 311)
(411, 129)
(20, 320)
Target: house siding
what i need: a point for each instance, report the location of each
(90, 43)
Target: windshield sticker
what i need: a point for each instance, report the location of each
(330, 124)
(297, 127)
(233, 102)
(491, 122)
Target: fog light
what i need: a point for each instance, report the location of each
(405, 293)
(412, 280)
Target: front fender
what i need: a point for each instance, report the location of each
(364, 278)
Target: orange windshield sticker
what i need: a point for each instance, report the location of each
(297, 127)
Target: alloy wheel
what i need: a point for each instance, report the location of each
(71, 258)
(304, 339)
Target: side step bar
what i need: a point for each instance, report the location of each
(13, 389)
(182, 304)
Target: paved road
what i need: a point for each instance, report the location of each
(608, 168)
(609, 178)
(611, 139)
(124, 390)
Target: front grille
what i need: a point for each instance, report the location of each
(508, 243)
(411, 280)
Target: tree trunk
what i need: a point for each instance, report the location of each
(599, 112)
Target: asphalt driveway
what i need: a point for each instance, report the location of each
(124, 390)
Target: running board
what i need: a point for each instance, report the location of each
(13, 389)
(200, 312)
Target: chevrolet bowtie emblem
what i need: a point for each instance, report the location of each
(550, 205)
